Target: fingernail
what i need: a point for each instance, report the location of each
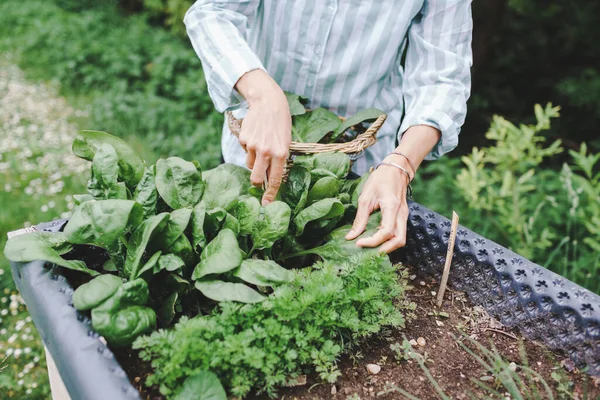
(349, 234)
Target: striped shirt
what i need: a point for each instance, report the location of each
(409, 58)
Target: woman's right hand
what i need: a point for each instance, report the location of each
(266, 131)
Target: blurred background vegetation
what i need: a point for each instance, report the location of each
(529, 179)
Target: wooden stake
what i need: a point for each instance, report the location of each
(449, 254)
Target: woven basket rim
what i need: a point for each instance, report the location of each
(356, 146)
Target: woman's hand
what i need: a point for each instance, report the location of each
(384, 190)
(266, 131)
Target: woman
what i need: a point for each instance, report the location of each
(410, 58)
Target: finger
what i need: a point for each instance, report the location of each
(399, 239)
(250, 159)
(275, 175)
(259, 171)
(389, 212)
(362, 217)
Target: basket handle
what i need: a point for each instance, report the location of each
(359, 144)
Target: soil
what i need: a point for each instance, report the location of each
(437, 336)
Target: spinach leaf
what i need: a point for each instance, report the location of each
(263, 272)
(295, 104)
(342, 251)
(322, 209)
(294, 192)
(222, 255)
(271, 225)
(232, 223)
(335, 162)
(151, 264)
(203, 385)
(131, 166)
(182, 248)
(94, 292)
(345, 198)
(145, 193)
(318, 173)
(82, 198)
(227, 291)
(214, 220)
(166, 311)
(170, 262)
(358, 189)
(324, 188)
(198, 235)
(373, 223)
(178, 222)
(45, 246)
(314, 125)
(139, 241)
(122, 317)
(224, 186)
(105, 172)
(178, 182)
(247, 212)
(369, 114)
(102, 222)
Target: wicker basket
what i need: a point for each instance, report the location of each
(353, 148)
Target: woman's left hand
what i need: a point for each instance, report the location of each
(385, 190)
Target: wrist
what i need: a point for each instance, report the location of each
(404, 163)
(257, 87)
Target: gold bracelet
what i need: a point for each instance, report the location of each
(401, 168)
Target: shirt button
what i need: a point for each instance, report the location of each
(318, 50)
(331, 6)
(309, 84)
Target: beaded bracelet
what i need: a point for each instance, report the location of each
(401, 168)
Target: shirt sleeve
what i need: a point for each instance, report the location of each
(437, 79)
(218, 31)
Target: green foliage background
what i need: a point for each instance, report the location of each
(130, 67)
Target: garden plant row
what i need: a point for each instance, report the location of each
(247, 296)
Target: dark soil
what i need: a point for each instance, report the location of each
(450, 365)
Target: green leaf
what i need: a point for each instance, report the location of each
(182, 248)
(122, 317)
(222, 255)
(105, 172)
(146, 194)
(170, 262)
(166, 311)
(178, 182)
(358, 189)
(370, 114)
(335, 162)
(294, 192)
(324, 188)
(232, 223)
(139, 241)
(198, 235)
(314, 125)
(271, 225)
(263, 273)
(94, 292)
(224, 186)
(203, 385)
(321, 210)
(44, 246)
(82, 198)
(214, 220)
(295, 104)
(178, 222)
(150, 264)
(247, 212)
(102, 222)
(226, 291)
(318, 173)
(131, 166)
(342, 251)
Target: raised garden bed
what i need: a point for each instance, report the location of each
(249, 295)
(560, 320)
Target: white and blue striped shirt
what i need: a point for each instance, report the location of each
(344, 55)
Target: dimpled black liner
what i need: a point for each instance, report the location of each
(545, 306)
